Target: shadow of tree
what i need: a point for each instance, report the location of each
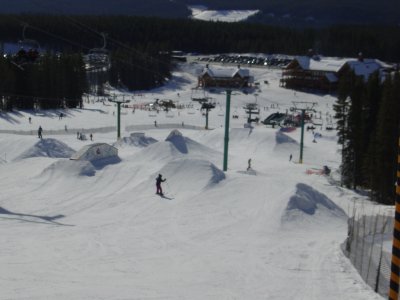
(9, 118)
(21, 217)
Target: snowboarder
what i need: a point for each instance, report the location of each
(40, 132)
(249, 164)
(158, 185)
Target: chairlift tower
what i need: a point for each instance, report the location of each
(303, 107)
(204, 103)
(226, 138)
(207, 106)
(118, 102)
(251, 109)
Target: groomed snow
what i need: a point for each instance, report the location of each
(74, 230)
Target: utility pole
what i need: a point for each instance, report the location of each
(118, 102)
(303, 107)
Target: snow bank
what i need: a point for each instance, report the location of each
(176, 138)
(69, 168)
(48, 148)
(137, 139)
(282, 138)
(202, 174)
(307, 203)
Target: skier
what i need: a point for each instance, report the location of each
(40, 132)
(290, 157)
(249, 164)
(158, 185)
(91, 137)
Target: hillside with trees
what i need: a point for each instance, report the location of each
(284, 12)
(369, 160)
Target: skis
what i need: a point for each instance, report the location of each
(164, 197)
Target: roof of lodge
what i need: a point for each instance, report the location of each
(225, 72)
(362, 67)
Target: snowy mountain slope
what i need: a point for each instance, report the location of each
(72, 231)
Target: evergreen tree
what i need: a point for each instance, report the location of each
(387, 135)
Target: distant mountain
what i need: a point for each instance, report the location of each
(317, 12)
(160, 8)
(283, 12)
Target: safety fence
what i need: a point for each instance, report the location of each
(103, 129)
(367, 247)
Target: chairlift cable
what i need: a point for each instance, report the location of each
(79, 45)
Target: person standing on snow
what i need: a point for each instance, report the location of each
(249, 164)
(40, 132)
(158, 185)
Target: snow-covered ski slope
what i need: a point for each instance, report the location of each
(73, 230)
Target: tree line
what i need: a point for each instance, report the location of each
(53, 82)
(368, 123)
(79, 33)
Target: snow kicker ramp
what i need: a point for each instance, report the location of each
(136, 139)
(176, 146)
(308, 206)
(47, 148)
(191, 175)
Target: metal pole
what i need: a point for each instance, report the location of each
(119, 120)
(302, 136)
(226, 140)
(395, 268)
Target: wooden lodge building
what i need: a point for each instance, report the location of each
(225, 78)
(322, 73)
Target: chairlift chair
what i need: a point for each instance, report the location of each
(29, 51)
(99, 58)
(199, 95)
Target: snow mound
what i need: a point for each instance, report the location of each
(202, 173)
(282, 138)
(175, 147)
(48, 148)
(68, 168)
(308, 203)
(137, 139)
(177, 139)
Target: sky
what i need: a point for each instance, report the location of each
(80, 230)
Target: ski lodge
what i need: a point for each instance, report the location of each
(225, 78)
(315, 72)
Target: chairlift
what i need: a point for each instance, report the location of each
(28, 51)
(99, 58)
(199, 95)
